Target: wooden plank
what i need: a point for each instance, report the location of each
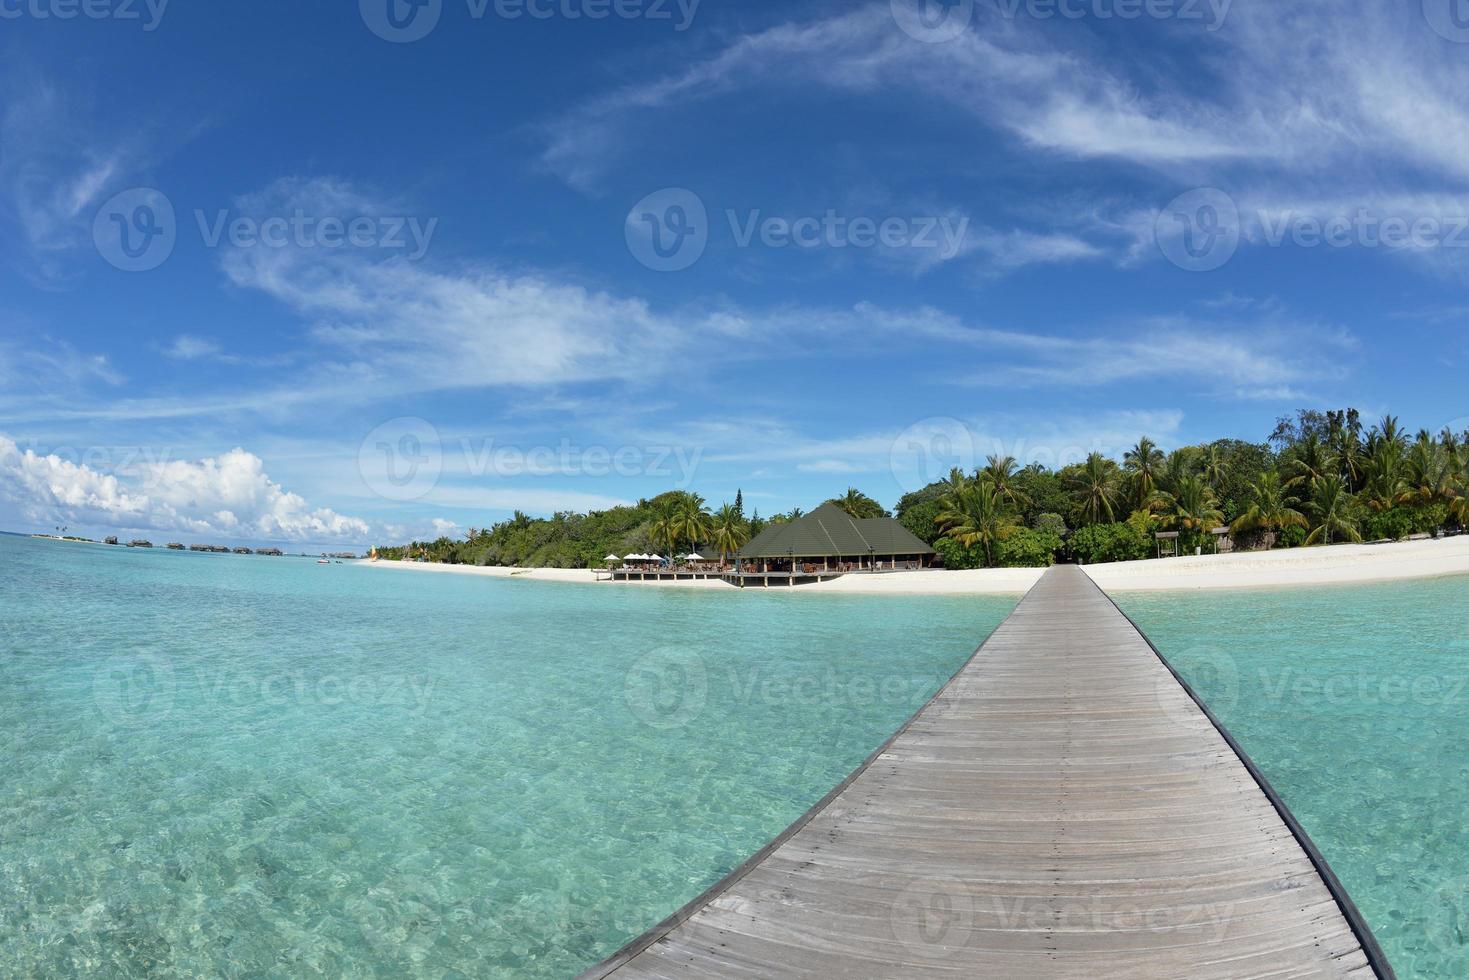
(1064, 807)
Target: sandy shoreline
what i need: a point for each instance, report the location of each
(1337, 565)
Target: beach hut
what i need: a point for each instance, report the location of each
(1171, 537)
(830, 541)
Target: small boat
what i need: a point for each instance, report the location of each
(322, 561)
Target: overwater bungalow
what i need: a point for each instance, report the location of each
(175, 546)
(140, 543)
(826, 543)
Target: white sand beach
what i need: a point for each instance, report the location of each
(1338, 564)
(1334, 565)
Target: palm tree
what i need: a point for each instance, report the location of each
(858, 505)
(692, 520)
(1268, 510)
(1459, 505)
(1000, 471)
(1178, 466)
(664, 531)
(1382, 481)
(976, 515)
(1392, 432)
(1330, 501)
(1096, 485)
(1310, 460)
(1194, 509)
(1215, 466)
(1344, 440)
(728, 531)
(1427, 474)
(1143, 462)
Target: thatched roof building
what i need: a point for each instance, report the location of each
(831, 537)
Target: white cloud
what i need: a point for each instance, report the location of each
(1261, 349)
(1283, 106)
(57, 164)
(230, 496)
(395, 325)
(189, 348)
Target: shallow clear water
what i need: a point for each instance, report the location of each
(1355, 703)
(220, 765)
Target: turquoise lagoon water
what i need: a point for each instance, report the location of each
(1355, 703)
(244, 766)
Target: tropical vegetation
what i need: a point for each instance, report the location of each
(1320, 478)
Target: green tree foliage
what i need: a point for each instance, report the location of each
(1321, 477)
(976, 515)
(1029, 548)
(1268, 512)
(858, 505)
(1098, 543)
(1330, 510)
(1095, 485)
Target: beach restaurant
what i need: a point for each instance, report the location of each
(826, 543)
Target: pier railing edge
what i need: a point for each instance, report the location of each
(640, 943)
(1376, 958)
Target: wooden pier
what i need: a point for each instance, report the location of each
(1063, 808)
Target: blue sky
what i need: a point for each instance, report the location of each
(311, 273)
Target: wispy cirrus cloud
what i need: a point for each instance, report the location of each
(57, 164)
(1364, 115)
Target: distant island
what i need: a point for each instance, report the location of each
(1319, 478)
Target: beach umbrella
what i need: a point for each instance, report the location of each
(696, 557)
(612, 558)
